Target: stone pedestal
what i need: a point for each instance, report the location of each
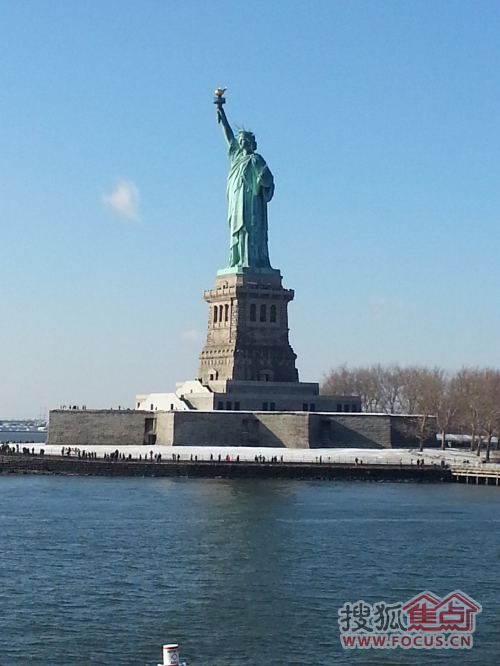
(247, 335)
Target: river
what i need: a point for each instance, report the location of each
(21, 436)
(103, 571)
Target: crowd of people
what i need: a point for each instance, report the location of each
(152, 457)
(6, 449)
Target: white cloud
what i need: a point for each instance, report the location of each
(123, 199)
(191, 336)
(389, 309)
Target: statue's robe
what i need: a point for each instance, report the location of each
(250, 186)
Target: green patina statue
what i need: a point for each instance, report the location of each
(250, 187)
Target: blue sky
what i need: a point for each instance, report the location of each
(378, 119)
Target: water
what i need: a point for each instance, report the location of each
(104, 571)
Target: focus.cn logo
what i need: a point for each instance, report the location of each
(426, 621)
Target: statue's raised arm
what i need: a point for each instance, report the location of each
(228, 132)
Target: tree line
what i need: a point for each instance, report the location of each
(464, 402)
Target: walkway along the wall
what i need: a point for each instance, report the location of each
(36, 464)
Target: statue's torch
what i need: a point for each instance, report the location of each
(219, 100)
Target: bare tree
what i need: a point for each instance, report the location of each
(468, 401)
(380, 388)
(339, 381)
(390, 384)
(422, 389)
(467, 383)
(447, 405)
(489, 412)
(368, 385)
(352, 381)
(411, 379)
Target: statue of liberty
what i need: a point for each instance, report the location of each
(250, 187)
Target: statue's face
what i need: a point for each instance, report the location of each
(247, 142)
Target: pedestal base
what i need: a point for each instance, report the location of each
(247, 334)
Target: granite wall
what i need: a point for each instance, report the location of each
(90, 428)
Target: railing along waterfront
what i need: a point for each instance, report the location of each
(476, 473)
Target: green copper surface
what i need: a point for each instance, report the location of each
(250, 187)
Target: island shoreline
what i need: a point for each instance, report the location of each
(64, 465)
